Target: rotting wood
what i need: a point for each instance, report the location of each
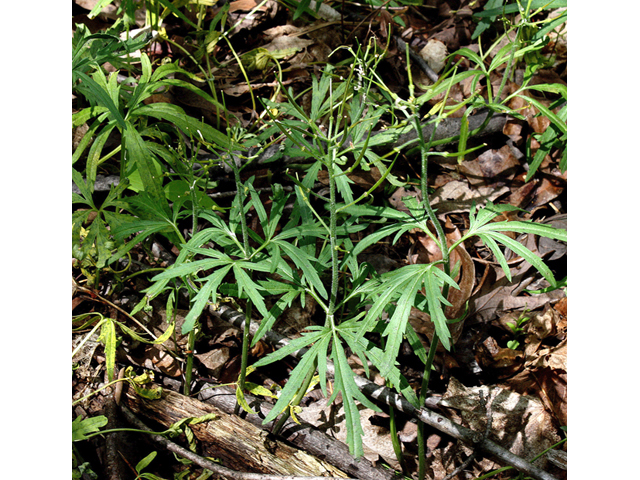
(222, 473)
(237, 443)
(302, 435)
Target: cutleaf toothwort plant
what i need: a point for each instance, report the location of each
(313, 252)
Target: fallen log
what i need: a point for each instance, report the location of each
(237, 443)
(302, 435)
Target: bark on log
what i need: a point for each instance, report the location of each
(236, 442)
(304, 436)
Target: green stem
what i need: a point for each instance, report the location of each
(426, 376)
(395, 441)
(333, 233)
(244, 359)
(424, 149)
(188, 372)
(296, 400)
(246, 334)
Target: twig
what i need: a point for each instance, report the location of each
(424, 66)
(391, 398)
(223, 472)
(93, 294)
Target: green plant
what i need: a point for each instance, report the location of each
(83, 429)
(531, 36)
(494, 8)
(109, 338)
(144, 151)
(517, 330)
(311, 251)
(316, 241)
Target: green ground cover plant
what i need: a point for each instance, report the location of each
(310, 250)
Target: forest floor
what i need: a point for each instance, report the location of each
(507, 372)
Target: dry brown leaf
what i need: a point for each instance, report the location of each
(554, 357)
(396, 202)
(504, 362)
(561, 307)
(290, 43)
(296, 318)
(156, 357)
(513, 129)
(421, 321)
(553, 392)
(549, 188)
(457, 196)
(376, 441)
(519, 423)
(521, 197)
(493, 168)
(214, 360)
(545, 376)
(363, 178)
(239, 9)
(499, 295)
(539, 327)
(380, 263)
(538, 123)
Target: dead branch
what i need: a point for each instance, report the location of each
(447, 132)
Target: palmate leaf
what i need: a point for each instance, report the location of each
(345, 383)
(154, 217)
(86, 189)
(525, 253)
(366, 349)
(303, 262)
(184, 268)
(189, 125)
(513, 7)
(93, 91)
(99, 235)
(300, 372)
(82, 428)
(555, 119)
(247, 285)
(433, 281)
(143, 159)
(220, 233)
(402, 286)
(307, 338)
(95, 151)
(291, 292)
(207, 293)
(89, 134)
(489, 233)
(398, 322)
